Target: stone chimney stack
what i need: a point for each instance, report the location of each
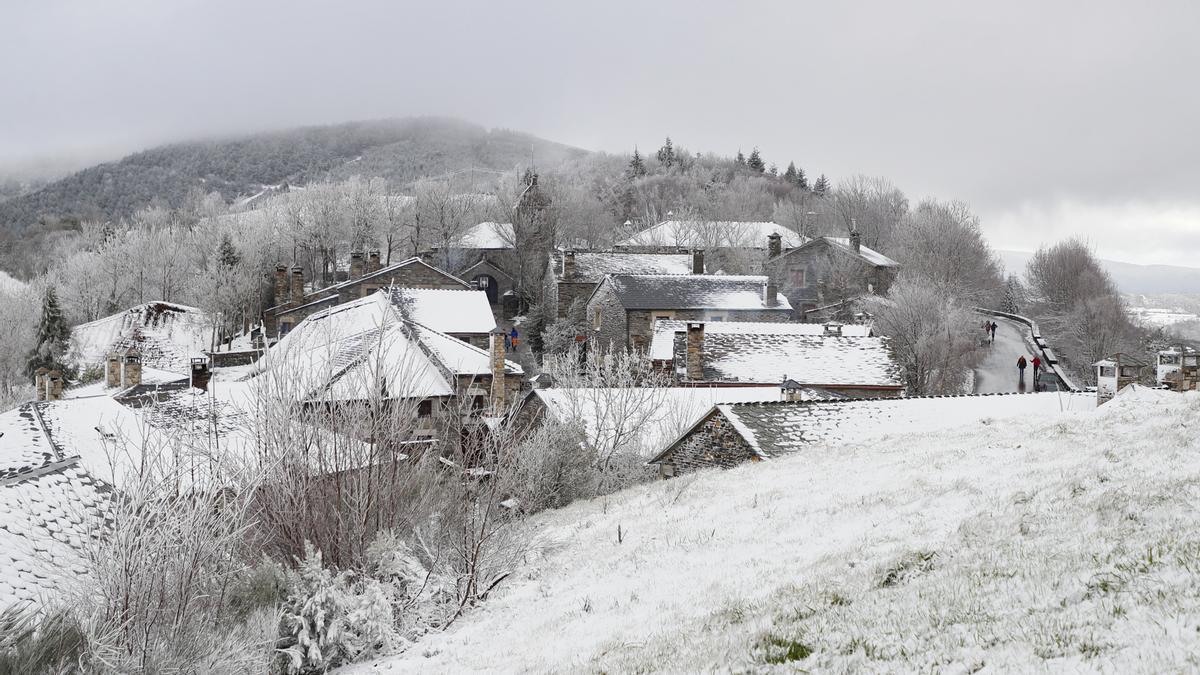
(833, 329)
(112, 370)
(855, 237)
(698, 261)
(694, 358)
(772, 294)
(281, 284)
(356, 265)
(373, 261)
(774, 245)
(39, 382)
(568, 264)
(498, 391)
(200, 373)
(297, 285)
(54, 385)
(131, 372)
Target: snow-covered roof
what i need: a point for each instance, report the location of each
(151, 377)
(769, 355)
(868, 254)
(662, 346)
(590, 267)
(662, 413)
(693, 291)
(447, 310)
(166, 334)
(488, 235)
(706, 234)
(778, 428)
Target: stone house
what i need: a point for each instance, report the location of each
(732, 247)
(844, 360)
(730, 434)
(623, 308)
(826, 271)
(293, 304)
(572, 276)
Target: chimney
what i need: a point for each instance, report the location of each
(200, 373)
(54, 385)
(833, 329)
(772, 294)
(774, 245)
(698, 261)
(373, 261)
(498, 391)
(281, 284)
(568, 264)
(356, 265)
(112, 370)
(855, 237)
(694, 359)
(297, 285)
(39, 382)
(131, 373)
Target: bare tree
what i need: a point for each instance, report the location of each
(930, 335)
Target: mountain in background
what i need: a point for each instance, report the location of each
(1129, 277)
(400, 150)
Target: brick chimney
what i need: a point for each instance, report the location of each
(281, 284)
(200, 373)
(112, 370)
(498, 391)
(356, 265)
(131, 371)
(774, 245)
(297, 285)
(373, 261)
(698, 261)
(855, 237)
(694, 358)
(39, 382)
(568, 264)
(54, 385)
(772, 294)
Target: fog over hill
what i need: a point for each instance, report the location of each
(1129, 277)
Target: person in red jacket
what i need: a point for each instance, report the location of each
(1037, 365)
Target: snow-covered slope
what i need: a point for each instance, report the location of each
(1070, 543)
(166, 334)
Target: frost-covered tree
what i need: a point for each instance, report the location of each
(637, 166)
(740, 160)
(931, 335)
(821, 187)
(666, 154)
(941, 245)
(53, 337)
(755, 163)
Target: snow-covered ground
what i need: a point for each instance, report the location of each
(1069, 543)
(1159, 317)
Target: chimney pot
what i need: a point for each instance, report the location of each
(856, 241)
(498, 380)
(698, 261)
(200, 373)
(772, 294)
(131, 371)
(774, 245)
(568, 264)
(39, 382)
(54, 385)
(281, 284)
(694, 357)
(112, 370)
(373, 261)
(833, 329)
(297, 285)
(356, 265)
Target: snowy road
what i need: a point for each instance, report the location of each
(998, 371)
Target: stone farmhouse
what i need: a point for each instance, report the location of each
(827, 271)
(730, 434)
(845, 360)
(623, 308)
(732, 247)
(572, 276)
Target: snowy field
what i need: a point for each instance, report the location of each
(1071, 543)
(1158, 317)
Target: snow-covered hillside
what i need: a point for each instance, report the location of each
(166, 334)
(1069, 542)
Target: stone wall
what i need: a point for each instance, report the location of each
(613, 329)
(713, 443)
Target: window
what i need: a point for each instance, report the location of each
(716, 318)
(425, 408)
(1129, 371)
(1108, 371)
(1168, 359)
(596, 319)
(797, 277)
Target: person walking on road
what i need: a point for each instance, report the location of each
(1021, 363)
(992, 328)
(1037, 365)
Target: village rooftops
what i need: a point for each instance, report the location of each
(165, 334)
(662, 347)
(692, 291)
(330, 293)
(710, 234)
(590, 267)
(844, 245)
(453, 311)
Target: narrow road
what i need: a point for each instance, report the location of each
(997, 373)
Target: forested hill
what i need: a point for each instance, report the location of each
(400, 150)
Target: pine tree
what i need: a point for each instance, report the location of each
(227, 254)
(774, 170)
(821, 186)
(755, 162)
(801, 179)
(789, 174)
(740, 159)
(53, 337)
(666, 154)
(1013, 292)
(637, 167)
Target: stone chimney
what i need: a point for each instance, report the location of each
(568, 264)
(297, 285)
(112, 370)
(356, 265)
(833, 329)
(39, 382)
(772, 294)
(694, 358)
(281, 284)
(200, 373)
(698, 261)
(774, 245)
(373, 261)
(54, 385)
(131, 371)
(855, 237)
(498, 381)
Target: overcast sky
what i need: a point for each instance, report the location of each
(1049, 119)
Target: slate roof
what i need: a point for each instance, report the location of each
(662, 344)
(866, 254)
(447, 310)
(590, 267)
(713, 234)
(166, 334)
(329, 293)
(693, 291)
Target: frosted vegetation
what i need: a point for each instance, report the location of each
(1050, 544)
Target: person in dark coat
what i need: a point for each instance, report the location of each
(992, 328)
(1021, 363)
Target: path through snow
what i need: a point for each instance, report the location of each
(998, 371)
